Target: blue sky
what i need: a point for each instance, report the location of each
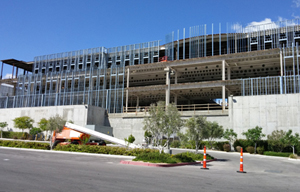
(30, 28)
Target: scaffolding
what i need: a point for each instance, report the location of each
(97, 76)
(288, 82)
(91, 76)
(235, 40)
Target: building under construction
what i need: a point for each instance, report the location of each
(193, 69)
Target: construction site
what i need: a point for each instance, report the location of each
(239, 78)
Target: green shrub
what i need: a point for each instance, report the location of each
(30, 137)
(24, 136)
(184, 157)
(102, 149)
(279, 154)
(195, 156)
(21, 144)
(130, 139)
(250, 149)
(238, 148)
(10, 134)
(175, 144)
(260, 150)
(155, 157)
(226, 147)
(219, 145)
(190, 145)
(35, 131)
(245, 143)
(292, 156)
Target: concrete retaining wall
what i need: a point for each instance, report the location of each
(123, 127)
(271, 112)
(76, 113)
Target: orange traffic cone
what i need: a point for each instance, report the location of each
(241, 163)
(204, 159)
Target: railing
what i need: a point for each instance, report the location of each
(201, 107)
(136, 110)
(209, 107)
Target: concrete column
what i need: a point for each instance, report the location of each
(281, 72)
(167, 70)
(223, 97)
(137, 101)
(235, 43)
(281, 67)
(223, 69)
(175, 77)
(223, 87)
(175, 99)
(228, 73)
(127, 90)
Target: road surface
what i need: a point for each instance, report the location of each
(43, 171)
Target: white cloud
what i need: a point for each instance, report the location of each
(296, 3)
(295, 16)
(265, 24)
(7, 76)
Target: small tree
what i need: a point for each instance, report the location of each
(154, 123)
(43, 126)
(254, 135)
(162, 121)
(56, 124)
(276, 140)
(291, 140)
(230, 135)
(35, 131)
(213, 131)
(2, 126)
(172, 122)
(23, 122)
(195, 129)
(130, 139)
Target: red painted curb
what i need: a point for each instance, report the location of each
(161, 164)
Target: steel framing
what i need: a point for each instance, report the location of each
(97, 76)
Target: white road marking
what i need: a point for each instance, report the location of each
(5, 159)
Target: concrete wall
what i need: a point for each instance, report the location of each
(95, 115)
(271, 112)
(125, 126)
(76, 113)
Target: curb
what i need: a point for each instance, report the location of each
(161, 164)
(7, 139)
(70, 153)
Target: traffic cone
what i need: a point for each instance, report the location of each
(204, 159)
(241, 163)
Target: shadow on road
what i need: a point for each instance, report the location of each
(223, 160)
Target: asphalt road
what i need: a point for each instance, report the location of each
(42, 171)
